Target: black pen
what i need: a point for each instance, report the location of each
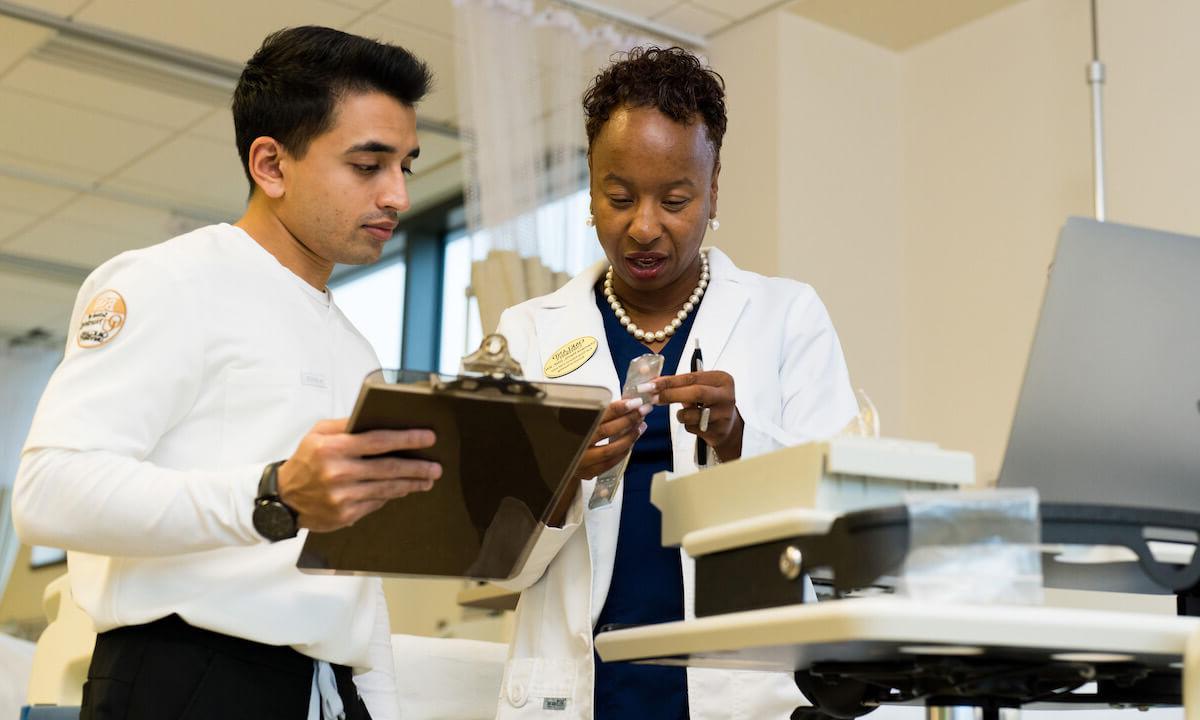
(701, 446)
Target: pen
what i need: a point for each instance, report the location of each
(701, 446)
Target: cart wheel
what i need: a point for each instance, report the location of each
(840, 700)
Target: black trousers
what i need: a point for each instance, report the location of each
(169, 670)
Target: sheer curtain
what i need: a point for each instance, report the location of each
(521, 76)
(25, 368)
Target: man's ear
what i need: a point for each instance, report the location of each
(265, 164)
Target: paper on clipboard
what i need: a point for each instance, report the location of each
(507, 449)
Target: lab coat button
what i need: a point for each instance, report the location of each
(517, 695)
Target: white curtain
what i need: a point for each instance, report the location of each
(521, 77)
(24, 371)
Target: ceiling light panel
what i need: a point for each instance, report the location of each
(62, 8)
(124, 98)
(96, 59)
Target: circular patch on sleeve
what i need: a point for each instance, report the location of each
(102, 320)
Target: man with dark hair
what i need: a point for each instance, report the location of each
(183, 445)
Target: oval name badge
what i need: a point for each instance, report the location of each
(570, 356)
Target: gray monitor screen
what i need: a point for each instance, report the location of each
(1109, 412)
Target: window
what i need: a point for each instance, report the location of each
(413, 305)
(461, 331)
(374, 301)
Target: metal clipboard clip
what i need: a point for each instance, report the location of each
(496, 368)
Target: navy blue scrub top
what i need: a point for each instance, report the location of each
(647, 582)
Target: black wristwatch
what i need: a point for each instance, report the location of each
(272, 518)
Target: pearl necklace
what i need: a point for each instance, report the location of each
(669, 330)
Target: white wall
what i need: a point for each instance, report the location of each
(811, 178)
(748, 200)
(997, 148)
(921, 192)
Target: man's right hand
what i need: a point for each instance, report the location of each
(622, 424)
(331, 481)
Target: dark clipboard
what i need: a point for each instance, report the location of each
(508, 449)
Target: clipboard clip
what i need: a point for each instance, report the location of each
(497, 371)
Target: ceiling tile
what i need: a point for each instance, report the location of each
(63, 8)
(361, 4)
(435, 50)
(70, 242)
(227, 29)
(217, 126)
(31, 303)
(194, 170)
(68, 136)
(435, 150)
(30, 197)
(137, 220)
(13, 220)
(19, 39)
(640, 8)
(436, 16)
(896, 26)
(93, 92)
(734, 9)
(39, 170)
(692, 19)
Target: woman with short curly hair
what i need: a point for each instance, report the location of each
(655, 124)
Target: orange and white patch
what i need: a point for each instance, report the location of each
(102, 320)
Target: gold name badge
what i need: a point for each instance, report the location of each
(570, 357)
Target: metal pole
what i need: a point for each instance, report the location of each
(966, 712)
(950, 712)
(1095, 76)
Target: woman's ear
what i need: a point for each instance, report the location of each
(712, 190)
(264, 162)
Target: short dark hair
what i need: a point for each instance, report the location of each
(290, 88)
(671, 80)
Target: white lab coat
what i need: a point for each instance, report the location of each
(775, 338)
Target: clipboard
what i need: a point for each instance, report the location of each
(508, 449)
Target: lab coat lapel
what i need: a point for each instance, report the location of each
(723, 303)
(565, 315)
(568, 314)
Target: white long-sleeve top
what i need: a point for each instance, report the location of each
(189, 366)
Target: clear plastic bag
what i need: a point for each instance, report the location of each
(978, 547)
(642, 369)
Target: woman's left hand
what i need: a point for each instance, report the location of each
(710, 390)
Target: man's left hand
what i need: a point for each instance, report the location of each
(710, 390)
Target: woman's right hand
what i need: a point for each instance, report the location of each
(622, 424)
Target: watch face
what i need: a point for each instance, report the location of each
(274, 521)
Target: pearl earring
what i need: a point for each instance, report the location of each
(590, 221)
(714, 224)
